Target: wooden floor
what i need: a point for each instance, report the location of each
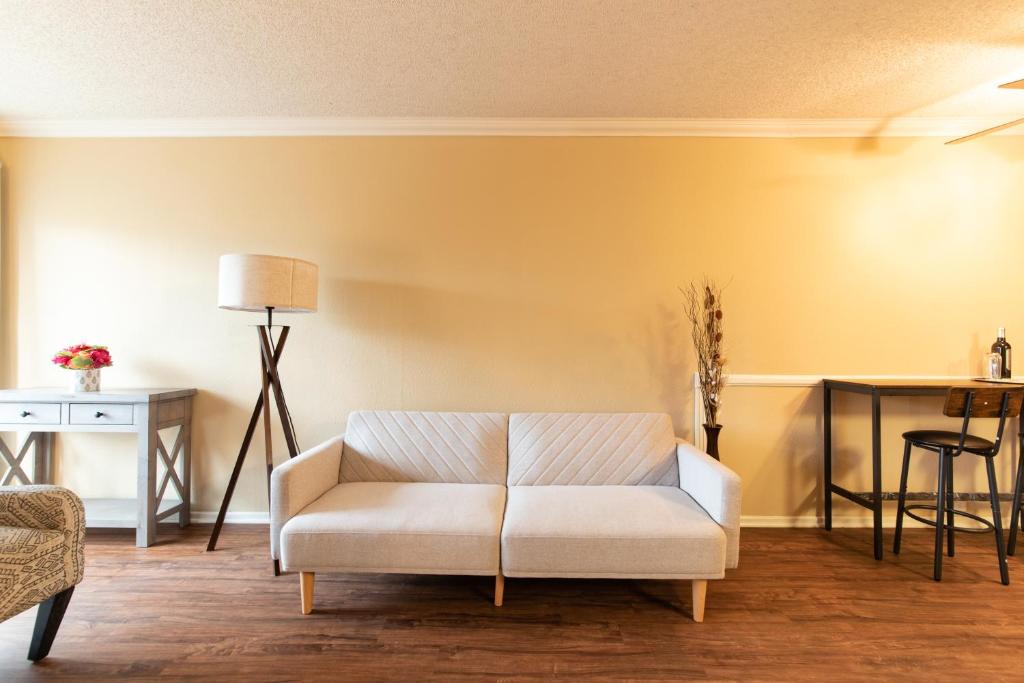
(804, 605)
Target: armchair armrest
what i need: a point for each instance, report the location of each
(49, 508)
(299, 482)
(717, 489)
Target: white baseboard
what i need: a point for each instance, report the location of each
(210, 516)
(814, 522)
(780, 521)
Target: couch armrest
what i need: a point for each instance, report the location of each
(717, 489)
(299, 482)
(50, 508)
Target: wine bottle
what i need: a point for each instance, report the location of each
(1002, 347)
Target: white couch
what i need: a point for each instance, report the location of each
(592, 495)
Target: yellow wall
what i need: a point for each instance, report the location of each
(514, 274)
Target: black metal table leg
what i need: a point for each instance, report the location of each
(950, 502)
(993, 487)
(902, 500)
(1018, 490)
(876, 469)
(940, 505)
(827, 429)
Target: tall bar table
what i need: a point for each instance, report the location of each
(876, 389)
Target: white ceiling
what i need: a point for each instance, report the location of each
(704, 59)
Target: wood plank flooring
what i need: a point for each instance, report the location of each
(804, 605)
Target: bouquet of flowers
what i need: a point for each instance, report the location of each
(83, 357)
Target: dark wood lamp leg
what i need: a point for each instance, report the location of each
(48, 619)
(270, 356)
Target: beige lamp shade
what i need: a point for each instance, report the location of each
(255, 282)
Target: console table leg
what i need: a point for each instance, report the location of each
(145, 530)
(15, 470)
(185, 516)
(42, 469)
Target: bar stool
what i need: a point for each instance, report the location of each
(965, 403)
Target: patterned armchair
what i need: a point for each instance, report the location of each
(42, 535)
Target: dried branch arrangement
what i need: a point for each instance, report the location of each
(703, 305)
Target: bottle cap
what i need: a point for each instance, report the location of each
(1001, 333)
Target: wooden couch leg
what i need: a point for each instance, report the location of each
(700, 592)
(306, 590)
(499, 590)
(48, 619)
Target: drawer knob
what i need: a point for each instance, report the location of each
(25, 413)
(98, 414)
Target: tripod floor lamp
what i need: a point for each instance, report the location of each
(258, 283)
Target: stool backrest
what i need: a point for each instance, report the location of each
(983, 402)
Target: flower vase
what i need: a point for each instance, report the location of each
(711, 442)
(85, 380)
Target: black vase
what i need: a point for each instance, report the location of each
(711, 432)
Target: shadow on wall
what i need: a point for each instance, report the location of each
(402, 345)
(804, 448)
(669, 348)
(212, 411)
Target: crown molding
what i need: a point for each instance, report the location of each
(521, 127)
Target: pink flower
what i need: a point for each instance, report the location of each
(77, 348)
(61, 360)
(100, 358)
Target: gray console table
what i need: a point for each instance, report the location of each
(44, 412)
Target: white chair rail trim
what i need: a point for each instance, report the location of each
(796, 381)
(747, 521)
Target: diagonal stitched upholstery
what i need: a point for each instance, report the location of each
(401, 446)
(593, 449)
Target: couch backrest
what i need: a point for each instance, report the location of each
(591, 449)
(399, 446)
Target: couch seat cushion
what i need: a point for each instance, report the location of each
(414, 528)
(609, 531)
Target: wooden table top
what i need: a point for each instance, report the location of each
(901, 385)
(105, 396)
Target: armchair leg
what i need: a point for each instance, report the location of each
(499, 590)
(306, 590)
(48, 619)
(700, 592)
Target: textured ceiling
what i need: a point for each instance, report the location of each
(546, 58)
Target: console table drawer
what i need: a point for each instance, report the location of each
(101, 414)
(30, 413)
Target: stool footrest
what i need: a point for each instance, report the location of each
(986, 525)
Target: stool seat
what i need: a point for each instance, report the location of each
(935, 439)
